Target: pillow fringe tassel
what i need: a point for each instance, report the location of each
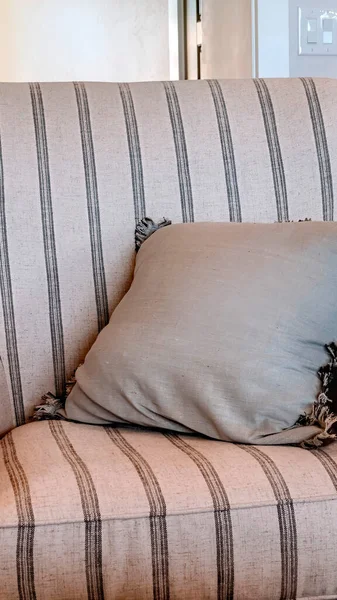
(146, 227)
(324, 410)
(48, 408)
(50, 404)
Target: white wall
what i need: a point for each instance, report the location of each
(98, 40)
(273, 38)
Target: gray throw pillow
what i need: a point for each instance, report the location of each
(221, 333)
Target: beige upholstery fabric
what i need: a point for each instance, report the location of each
(221, 333)
(122, 514)
(100, 514)
(79, 164)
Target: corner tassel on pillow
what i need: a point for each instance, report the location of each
(145, 228)
(324, 410)
(50, 405)
(48, 408)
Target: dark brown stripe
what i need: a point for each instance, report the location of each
(287, 522)
(8, 307)
(322, 148)
(222, 517)
(328, 463)
(89, 162)
(134, 151)
(91, 512)
(275, 153)
(158, 530)
(227, 148)
(181, 152)
(26, 521)
(55, 314)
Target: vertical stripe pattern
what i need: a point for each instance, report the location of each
(321, 148)
(55, 314)
(102, 306)
(8, 308)
(328, 463)
(134, 151)
(158, 530)
(276, 160)
(227, 149)
(181, 152)
(222, 517)
(26, 523)
(287, 522)
(91, 512)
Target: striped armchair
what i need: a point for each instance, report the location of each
(121, 514)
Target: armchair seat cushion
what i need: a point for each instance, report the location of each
(98, 512)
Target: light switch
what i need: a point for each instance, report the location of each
(327, 31)
(317, 31)
(312, 31)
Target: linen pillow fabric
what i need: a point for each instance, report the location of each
(221, 333)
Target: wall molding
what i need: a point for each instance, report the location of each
(176, 24)
(255, 39)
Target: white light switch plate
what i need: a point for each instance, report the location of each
(326, 45)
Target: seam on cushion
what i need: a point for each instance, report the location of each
(318, 597)
(210, 509)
